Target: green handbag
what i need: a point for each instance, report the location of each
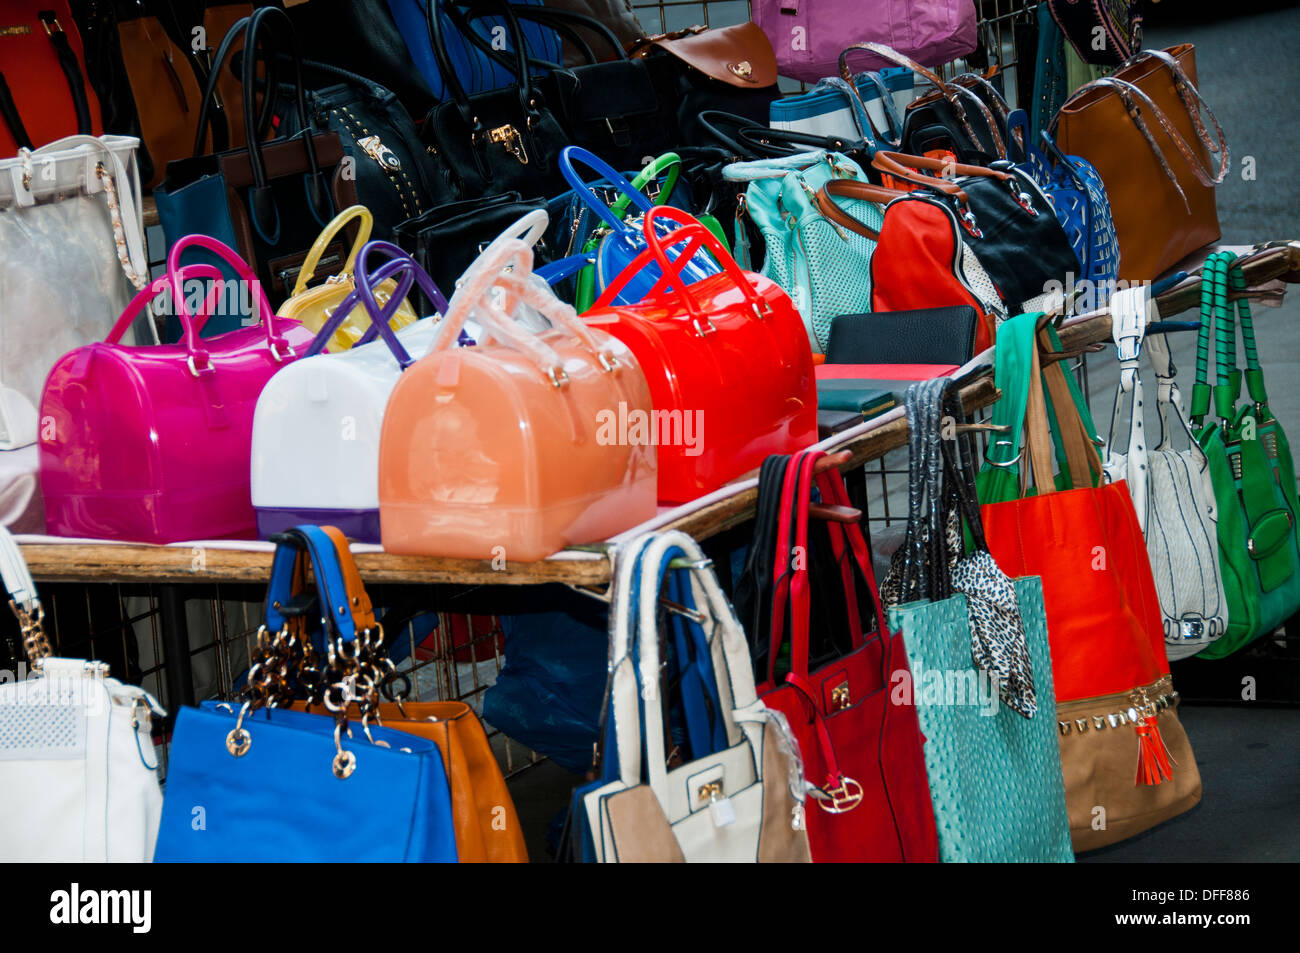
(1251, 469)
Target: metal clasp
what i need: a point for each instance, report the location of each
(380, 153)
(508, 138)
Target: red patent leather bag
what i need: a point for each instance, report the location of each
(862, 750)
(727, 358)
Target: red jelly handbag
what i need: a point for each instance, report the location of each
(862, 749)
(727, 357)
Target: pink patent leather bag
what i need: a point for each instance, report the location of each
(151, 444)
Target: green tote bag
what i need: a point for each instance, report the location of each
(980, 668)
(1250, 466)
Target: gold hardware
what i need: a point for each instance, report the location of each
(742, 69)
(508, 138)
(35, 643)
(710, 791)
(16, 30)
(840, 696)
(843, 798)
(385, 156)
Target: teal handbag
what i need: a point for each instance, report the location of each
(981, 671)
(823, 267)
(1251, 469)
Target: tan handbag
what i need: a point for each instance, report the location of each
(1142, 129)
(1097, 760)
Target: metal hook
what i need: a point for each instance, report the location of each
(1010, 463)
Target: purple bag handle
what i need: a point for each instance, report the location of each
(379, 317)
(367, 283)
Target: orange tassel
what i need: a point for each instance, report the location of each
(1155, 764)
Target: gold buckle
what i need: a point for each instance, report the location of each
(508, 138)
(742, 69)
(841, 799)
(385, 156)
(840, 696)
(710, 791)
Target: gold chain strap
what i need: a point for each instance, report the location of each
(119, 230)
(35, 643)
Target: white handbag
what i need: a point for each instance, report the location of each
(743, 803)
(1170, 488)
(323, 413)
(73, 254)
(78, 772)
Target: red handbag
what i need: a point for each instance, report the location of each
(861, 749)
(727, 357)
(44, 93)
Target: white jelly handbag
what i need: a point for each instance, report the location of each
(72, 255)
(78, 769)
(1170, 488)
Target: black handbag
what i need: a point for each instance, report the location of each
(395, 177)
(610, 108)
(747, 140)
(969, 118)
(446, 240)
(920, 336)
(267, 200)
(506, 140)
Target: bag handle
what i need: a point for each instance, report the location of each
(146, 295)
(527, 95)
(356, 213)
(1130, 311)
(330, 587)
(754, 138)
(904, 167)
(670, 164)
(23, 600)
(571, 155)
(378, 319)
(563, 22)
(824, 201)
(199, 359)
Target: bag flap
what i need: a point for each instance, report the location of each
(740, 55)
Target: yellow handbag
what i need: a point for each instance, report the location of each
(313, 306)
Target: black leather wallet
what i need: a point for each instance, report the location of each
(922, 336)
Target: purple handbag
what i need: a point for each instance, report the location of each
(808, 35)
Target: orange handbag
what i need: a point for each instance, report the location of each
(503, 450)
(487, 827)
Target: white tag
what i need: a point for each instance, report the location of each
(796, 818)
(723, 811)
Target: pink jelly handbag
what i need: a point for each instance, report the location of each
(151, 444)
(506, 449)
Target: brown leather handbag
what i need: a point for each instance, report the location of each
(487, 827)
(1142, 130)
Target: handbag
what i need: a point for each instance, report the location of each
(926, 336)
(272, 784)
(731, 68)
(868, 107)
(991, 751)
(149, 62)
(504, 140)
(1171, 489)
(393, 175)
(268, 200)
(1116, 705)
(151, 444)
(44, 94)
(72, 243)
(1078, 197)
(325, 411)
(809, 36)
(622, 241)
(825, 268)
(76, 782)
(740, 796)
(1141, 128)
(833, 669)
(486, 824)
(314, 307)
(1118, 27)
(1251, 468)
(728, 352)
(506, 447)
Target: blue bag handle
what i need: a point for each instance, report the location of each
(330, 586)
(556, 271)
(571, 154)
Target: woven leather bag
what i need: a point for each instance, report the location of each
(1171, 489)
(1142, 129)
(1116, 705)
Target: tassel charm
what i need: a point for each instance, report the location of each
(1154, 761)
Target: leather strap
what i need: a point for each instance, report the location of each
(824, 201)
(1130, 310)
(15, 574)
(363, 613)
(1081, 456)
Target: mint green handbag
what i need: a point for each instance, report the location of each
(1251, 468)
(980, 668)
(823, 267)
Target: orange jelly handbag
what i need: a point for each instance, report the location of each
(506, 449)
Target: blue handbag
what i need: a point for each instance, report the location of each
(869, 110)
(269, 784)
(1078, 197)
(625, 240)
(477, 71)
